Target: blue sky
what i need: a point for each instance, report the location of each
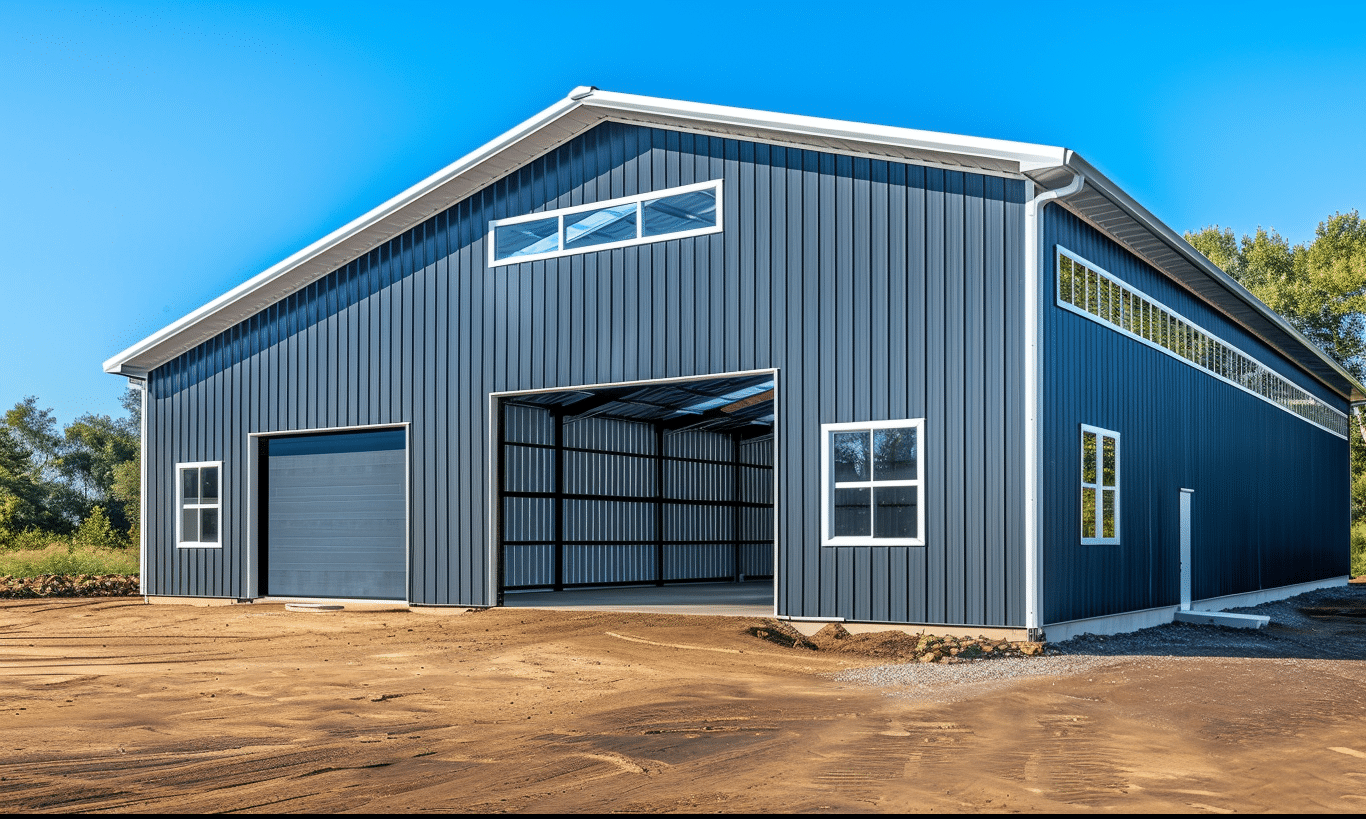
(156, 155)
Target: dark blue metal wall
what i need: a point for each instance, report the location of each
(880, 290)
(1271, 501)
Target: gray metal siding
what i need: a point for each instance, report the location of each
(1271, 501)
(880, 290)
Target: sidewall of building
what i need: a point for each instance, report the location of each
(1271, 504)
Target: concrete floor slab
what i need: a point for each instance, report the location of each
(724, 599)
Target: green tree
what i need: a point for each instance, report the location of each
(31, 489)
(21, 499)
(52, 481)
(36, 429)
(93, 447)
(127, 490)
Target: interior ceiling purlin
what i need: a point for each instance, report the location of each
(662, 404)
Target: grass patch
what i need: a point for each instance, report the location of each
(69, 559)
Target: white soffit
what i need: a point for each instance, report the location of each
(1107, 207)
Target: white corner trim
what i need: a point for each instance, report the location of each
(142, 495)
(1108, 624)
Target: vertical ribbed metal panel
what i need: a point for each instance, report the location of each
(858, 279)
(1270, 506)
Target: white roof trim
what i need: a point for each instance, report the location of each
(120, 363)
(219, 314)
(499, 157)
(1028, 155)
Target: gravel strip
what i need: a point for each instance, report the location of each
(933, 681)
(1292, 636)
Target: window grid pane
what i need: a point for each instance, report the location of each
(199, 513)
(873, 490)
(1108, 301)
(656, 216)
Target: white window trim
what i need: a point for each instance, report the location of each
(180, 506)
(1100, 471)
(828, 496)
(560, 213)
(1284, 385)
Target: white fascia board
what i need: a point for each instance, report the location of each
(1159, 229)
(1028, 155)
(121, 364)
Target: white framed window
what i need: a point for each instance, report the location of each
(1087, 290)
(675, 213)
(199, 504)
(871, 477)
(1099, 486)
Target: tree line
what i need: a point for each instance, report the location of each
(83, 479)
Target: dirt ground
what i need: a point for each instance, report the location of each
(119, 706)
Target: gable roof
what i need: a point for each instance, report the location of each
(1100, 202)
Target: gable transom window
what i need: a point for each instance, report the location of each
(199, 494)
(1099, 485)
(690, 210)
(871, 475)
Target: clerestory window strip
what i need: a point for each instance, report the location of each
(1091, 292)
(656, 216)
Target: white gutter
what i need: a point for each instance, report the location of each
(1033, 396)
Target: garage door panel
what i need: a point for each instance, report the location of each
(337, 516)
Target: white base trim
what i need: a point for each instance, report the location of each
(1107, 624)
(1255, 598)
(1147, 618)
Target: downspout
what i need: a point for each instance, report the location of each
(140, 384)
(1033, 396)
